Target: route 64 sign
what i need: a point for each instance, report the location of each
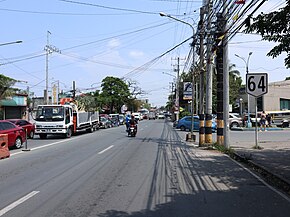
(257, 84)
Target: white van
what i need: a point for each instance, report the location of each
(137, 116)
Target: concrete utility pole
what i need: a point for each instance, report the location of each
(177, 87)
(219, 67)
(201, 78)
(177, 90)
(226, 97)
(49, 49)
(208, 98)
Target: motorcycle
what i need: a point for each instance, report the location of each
(132, 131)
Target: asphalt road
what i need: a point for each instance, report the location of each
(108, 174)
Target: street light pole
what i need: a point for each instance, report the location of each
(249, 124)
(192, 66)
(14, 42)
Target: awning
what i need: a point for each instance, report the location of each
(8, 102)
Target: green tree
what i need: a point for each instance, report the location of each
(274, 27)
(115, 93)
(5, 86)
(87, 102)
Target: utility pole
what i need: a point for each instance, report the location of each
(201, 78)
(208, 103)
(177, 88)
(219, 66)
(226, 78)
(49, 49)
(74, 90)
(46, 68)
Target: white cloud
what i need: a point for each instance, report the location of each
(114, 43)
(136, 54)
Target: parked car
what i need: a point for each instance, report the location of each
(105, 123)
(26, 125)
(16, 135)
(114, 118)
(185, 123)
(122, 119)
(235, 120)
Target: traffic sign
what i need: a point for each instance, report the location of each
(257, 84)
(187, 90)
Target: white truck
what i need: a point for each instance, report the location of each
(64, 120)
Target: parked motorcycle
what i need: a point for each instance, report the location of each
(132, 130)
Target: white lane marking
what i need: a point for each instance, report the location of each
(18, 202)
(44, 146)
(101, 152)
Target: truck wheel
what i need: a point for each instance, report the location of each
(90, 130)
(43, 136)
(68, 133)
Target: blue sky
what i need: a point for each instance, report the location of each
(111, 38)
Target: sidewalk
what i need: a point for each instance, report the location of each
(272, 161)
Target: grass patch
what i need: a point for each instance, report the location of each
(223, 149)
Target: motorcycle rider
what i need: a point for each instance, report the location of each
(133, 122)
(128, 118)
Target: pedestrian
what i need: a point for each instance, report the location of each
(263, 121)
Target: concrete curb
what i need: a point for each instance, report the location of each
(253, 129)
(272, 178)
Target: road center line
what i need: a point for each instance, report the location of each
(101, 152)
(18, 202)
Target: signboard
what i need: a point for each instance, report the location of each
(187, 91)
(54, 94)
(257, 84)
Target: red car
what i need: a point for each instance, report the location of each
(16, 135)
(26, 125)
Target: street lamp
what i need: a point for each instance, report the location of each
(249, 124)
(169, 74)
(162, 14)
(14, 42)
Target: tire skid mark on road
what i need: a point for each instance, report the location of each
(18, 202)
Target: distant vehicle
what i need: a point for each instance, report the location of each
(144, 113)
(115, 119)
(105, 123)
(235, 120)
(27, 126)
(16, 135)
(137, 116)
(151, 115)
(161, 116)
(122, 119)
(185, 123)
(280, 118)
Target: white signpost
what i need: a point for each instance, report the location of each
(256, 85)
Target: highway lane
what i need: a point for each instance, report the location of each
(108, 174)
